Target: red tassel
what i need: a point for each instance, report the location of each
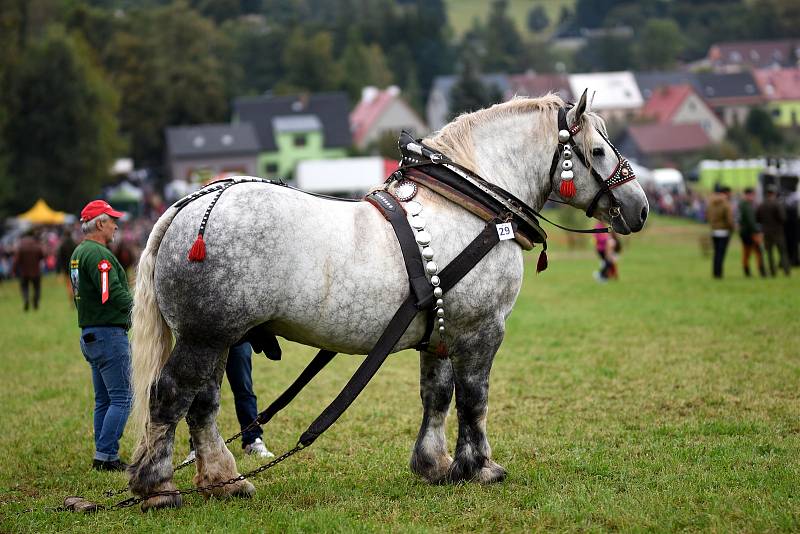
(541, 265)
(441, 350)
(198, 250)
(567, 188)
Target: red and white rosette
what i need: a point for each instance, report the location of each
(104, 266)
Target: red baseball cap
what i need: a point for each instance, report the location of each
(98, 207)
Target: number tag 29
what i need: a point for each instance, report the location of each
(505, 231)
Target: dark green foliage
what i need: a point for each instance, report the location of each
(469, 93)
(660, 45)
(167, 63)
(363, 65)
(538, 19)
(503, 43)
(62, 132)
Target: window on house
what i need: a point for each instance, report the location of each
(271, 168)
(300, 140)
(776, 112)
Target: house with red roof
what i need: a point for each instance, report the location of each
(383, 112)
(738, 56)
(662, 144)
(781, 88)
(680, 104)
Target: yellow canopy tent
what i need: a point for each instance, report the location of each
(41, 213)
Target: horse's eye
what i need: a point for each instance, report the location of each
(598, 152)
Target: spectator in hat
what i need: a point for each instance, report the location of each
(104, 303)
(750, 233)
(27, 264)
(720, 217)
(772, 217)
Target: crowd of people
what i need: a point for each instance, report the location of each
(761, 228)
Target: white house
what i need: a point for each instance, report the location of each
(616, 94)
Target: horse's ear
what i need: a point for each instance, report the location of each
(580, 108)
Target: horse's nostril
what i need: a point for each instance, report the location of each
(644, 214)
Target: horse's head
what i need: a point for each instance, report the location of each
(602, 181)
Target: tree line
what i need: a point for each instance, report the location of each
(85, 81)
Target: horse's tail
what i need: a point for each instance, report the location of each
(151, 336)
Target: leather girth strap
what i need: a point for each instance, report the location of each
(419, 298)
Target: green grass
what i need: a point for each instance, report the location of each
(666, 401)
(462, 13)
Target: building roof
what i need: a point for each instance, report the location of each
(737, 87)
(648, 82)
(666, 138)
(758, 54)
(211, 140)
(532, 84)
(666, 101)
(779, 84)
(331, 110)
(614, 90)
(296, 123)
(373, 104)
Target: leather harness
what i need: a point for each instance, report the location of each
(432, 169)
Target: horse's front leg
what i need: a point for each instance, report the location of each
(472, 359)
(429, 458)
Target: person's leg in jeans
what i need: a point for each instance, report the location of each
(101, 400)
(720, 246)
(239, 370)
(110, 354)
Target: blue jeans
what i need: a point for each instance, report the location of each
(239, 370)
(107, 351)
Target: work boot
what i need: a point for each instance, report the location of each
(111, 465)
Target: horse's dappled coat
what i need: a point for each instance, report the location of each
(330, 275)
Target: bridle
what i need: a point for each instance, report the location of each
(622, 173)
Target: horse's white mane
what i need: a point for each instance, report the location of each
(455, 139)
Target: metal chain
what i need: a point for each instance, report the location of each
(132, 501)
(254, 424)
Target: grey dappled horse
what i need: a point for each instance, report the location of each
(330, 274)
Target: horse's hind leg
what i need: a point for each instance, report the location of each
(429, 458)
(215, 463)
(186, 371)
(472, 362)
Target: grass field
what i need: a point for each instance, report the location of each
(462, 13)
(666, 401)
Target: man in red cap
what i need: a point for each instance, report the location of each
(104, 304)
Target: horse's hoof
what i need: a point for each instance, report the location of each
(243, 490)
(162, 501)
(434, 471)
(490, 473)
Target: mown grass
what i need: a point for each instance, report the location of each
(666, 401)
